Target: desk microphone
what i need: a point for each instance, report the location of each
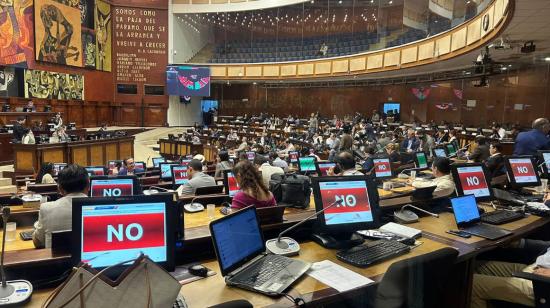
(154, 190)
(287, 246)
(402, 174)
(408, 216)
(193, 207)
(146, 163)
(543, 163)
(14, 292)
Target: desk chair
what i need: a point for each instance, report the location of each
(416, 282)
(240, 303)
(42, 188)
(541, 288)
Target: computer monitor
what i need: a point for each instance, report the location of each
(451, 150)
(157, 161)
(139, 167)
(179, 174)
(421, 161)
(465, 209)
(96, 170)
(166, 171)
(293, 157)
(323, 167)
(439, 152)
(521, 171)
(250, 155)
(382, 168)
(112, 163)
(107, 231)
(185, 162)
(544, 162)
(471, 179)
(306, 164)
(58, 167)
(230, 183)
(359, 208)
(103, 186)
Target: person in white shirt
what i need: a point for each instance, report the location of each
(73, 182)
(243, 145)
(288, 147)
(267, 170)
(278, 162)
(441, 169)
(287, 128)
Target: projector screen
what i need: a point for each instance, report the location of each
(188, 80)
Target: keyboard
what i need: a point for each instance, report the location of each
(262, 270)
(500, 217)
(180, 302)
(373, 252)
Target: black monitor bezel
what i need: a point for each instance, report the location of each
(541, 162)
(144, 166)
(174, 178)
(170, 213)
(374, 168)
(319, 172)
(155, 158)
(166, 178)
(136, 185)
(300, 164)
(510, 174)
(105, 170)
(113, 160)
(252, 255)
(226, 182)
(298, 157)
(458, 185)
(440, 147)
(374, 199)
(447, 149)
(58, 170)
(417, 163)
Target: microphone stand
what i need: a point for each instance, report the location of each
(288, 246)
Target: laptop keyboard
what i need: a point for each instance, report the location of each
(500, 217)
(377, 251)
(263, 270)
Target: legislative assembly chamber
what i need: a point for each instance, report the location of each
(261, 153)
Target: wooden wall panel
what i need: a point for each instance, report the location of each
(474, 32)
(322, 68)
(80, 156)
(24, 160)
(443, 45)
(155, 115)
(340, 66)
(111, 151)
(375, 61)
(254, 71)
(288, 70)
(126, 149)
(409, 55)
(392, 58)
(458, 39)
(426, 51)
(358, 64)
(271, 71)
(96, 155)
(305, 69)
(53, 156)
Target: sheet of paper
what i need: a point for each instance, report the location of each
(336, 276)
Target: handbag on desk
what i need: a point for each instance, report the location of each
(143, 284)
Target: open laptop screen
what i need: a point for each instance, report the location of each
(237, 239)
(323, 167)
(439, 152)
(465, 209)
(421, 160)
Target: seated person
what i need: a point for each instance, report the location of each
(267, 170)
(278, 162)
(441, 169)
(495, 162)
(223, 164)
(346, 163)
(196, 179)
(45, 174)
(368, 164)
(481, 152)
(73, 182)
(243, 146)
(493, 279)
(253, 190)
(391, 150)
(128, 167)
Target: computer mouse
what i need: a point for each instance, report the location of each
(198, 270)
(193, 207)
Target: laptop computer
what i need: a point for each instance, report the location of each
(468, 219)
(240, 249)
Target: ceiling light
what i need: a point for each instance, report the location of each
(547, 59)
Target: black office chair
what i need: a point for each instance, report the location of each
(240, 303)
(418, 282)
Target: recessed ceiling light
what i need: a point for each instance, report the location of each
(547, 59)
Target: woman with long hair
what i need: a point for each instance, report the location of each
(45, 174)
(253, 190)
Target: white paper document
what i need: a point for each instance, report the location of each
(336, 276)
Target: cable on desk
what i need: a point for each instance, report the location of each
(298, 301)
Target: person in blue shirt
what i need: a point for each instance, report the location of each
(528, 143)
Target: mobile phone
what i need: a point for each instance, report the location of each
(459, 233)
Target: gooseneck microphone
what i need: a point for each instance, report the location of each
(287, 246)
(14, 292)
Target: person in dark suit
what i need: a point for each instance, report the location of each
(19, 131)
(128, 168)
(411, 143)
(481, 152)
(495, 162)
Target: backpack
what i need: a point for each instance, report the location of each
(291, 190)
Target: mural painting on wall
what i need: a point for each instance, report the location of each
(8, 85)
(88, 46)
(103, 36)
(58, 32)
(86, 8)
(421, 93)
(52, 85)
(16, 34)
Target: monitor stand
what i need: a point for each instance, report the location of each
(337, 241)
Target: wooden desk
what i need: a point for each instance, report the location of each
(29, 157)
(173, 149)
(9, 118)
